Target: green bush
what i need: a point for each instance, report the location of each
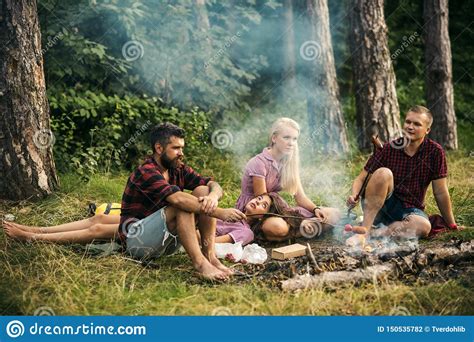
(98, 132)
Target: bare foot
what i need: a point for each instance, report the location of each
(208, 271)
(17, 234)
(216, 262)
(30, 229)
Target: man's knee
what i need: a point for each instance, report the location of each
(422, 224)
(383, 173)
(202, 190)
(172, 215)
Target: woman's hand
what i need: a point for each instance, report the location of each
(318, 213)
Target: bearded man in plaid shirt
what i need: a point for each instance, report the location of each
(157, 215)
(401, 173)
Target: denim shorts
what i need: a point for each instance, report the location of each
(149, 238)
(393, 210)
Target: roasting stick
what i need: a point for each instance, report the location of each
(377, 146)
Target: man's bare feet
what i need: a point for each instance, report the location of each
(208, 271)
(17, 234)
(216, 262)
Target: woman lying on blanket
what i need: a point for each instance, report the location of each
(277, 169)
(105, 227)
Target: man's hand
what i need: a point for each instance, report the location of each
(209, 203)
(231, 215)
(351, 201)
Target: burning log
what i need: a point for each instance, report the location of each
(338, 277)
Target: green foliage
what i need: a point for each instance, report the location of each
(96, 131)
(184, 60)
(231, 68)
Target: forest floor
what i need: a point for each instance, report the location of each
(41, 278)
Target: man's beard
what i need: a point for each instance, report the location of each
(170, 163)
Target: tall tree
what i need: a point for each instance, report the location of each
(26, 163)
(289, 45)
(439, 86)
(324, 109)
(378, 112)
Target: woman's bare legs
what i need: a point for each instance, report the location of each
(67, 227)
(96, 231)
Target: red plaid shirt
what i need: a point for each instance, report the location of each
(147, 190)
(411, 175)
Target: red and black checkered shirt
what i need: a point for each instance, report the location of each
(411, 175)
(147, 190)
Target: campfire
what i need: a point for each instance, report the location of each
(329, 264)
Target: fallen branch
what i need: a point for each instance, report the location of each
(313, 259)
(338, 277)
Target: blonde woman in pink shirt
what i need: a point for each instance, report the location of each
(277, 169)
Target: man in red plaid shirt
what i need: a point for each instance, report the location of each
(156, 211)
(401, 172)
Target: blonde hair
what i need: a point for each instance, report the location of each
(290, 172)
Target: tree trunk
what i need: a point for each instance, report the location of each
(26, 163)
(202, 19)
(439, 86)
(374, 79)
(328, 130)
(202, 23)
(289, 47)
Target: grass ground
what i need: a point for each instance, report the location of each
(66, 281)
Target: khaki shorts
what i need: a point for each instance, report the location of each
(149, 238)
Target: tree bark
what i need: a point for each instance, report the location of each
(377, 107)
(328, 130)
(26, 162)
(289, 46)
(438, 82)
